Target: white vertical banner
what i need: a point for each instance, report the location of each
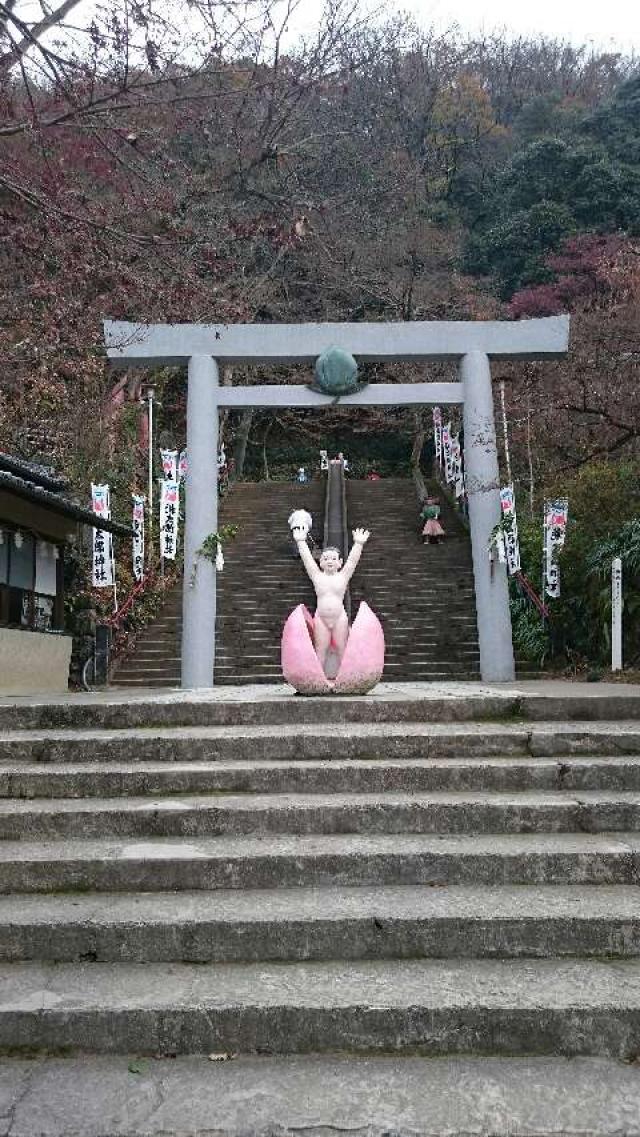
(616, 614)
(182, 466)
(510, 532)
(556, 514)
(103, 574)
(324, 460)
(447, 453)
(457, 476)
(169, 459)
(437, 433)
(138, 535)
(169, 513)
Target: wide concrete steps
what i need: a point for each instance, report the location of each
(423, 595)
(420, 881)
(260, 585)
(588, 1007)
(298, 924)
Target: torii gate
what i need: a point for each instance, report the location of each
(472, 344)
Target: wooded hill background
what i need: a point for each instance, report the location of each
(189, 163)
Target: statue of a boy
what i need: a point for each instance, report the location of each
(330, 580)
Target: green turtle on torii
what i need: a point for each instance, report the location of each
(336, 374)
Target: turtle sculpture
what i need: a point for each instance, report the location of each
(336, 374)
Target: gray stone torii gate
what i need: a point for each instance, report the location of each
(473, 344)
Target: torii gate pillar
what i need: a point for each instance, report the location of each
(482, 478)
(199, 590)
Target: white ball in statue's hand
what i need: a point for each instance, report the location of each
(300, 522)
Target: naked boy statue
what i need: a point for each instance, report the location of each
(330, 580)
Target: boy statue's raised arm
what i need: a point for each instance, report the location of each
(360, 538)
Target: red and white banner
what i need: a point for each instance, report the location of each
(169, 460)
(556, 515)
(169, 515)
(182, 466)
(103, 569)
(138, 535)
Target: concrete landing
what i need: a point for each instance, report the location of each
(319, 1097)
(265, 704)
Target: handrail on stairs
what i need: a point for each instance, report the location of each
(335, 515)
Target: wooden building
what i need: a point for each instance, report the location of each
(37, 518)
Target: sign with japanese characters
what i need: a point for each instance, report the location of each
(102, 540)
(169, 515)
(556, 514)
(182, 465)
(437, 432)
(457, 476)
(138, 535)
(447, 453)
(509, 533)
(169, 460)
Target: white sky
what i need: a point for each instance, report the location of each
(611, 25)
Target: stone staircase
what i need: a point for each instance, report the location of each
(334, 893)
(262, 581)
(423, 594)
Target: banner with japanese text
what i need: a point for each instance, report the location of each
(182, 466)
(138, 535)
(511, 544)
(437, 433)
(447, 453)
(556, 515)
(457, 476)
(169, 515)
(102, 540)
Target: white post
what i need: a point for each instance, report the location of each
(483, 491)
(616, 614)
(199, 590)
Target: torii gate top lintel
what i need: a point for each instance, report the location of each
(140, 345)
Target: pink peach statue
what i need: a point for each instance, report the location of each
(321, 655)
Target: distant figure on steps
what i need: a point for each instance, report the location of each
(432, 531)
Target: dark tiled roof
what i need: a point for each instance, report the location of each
(35, 472)
(31, 488)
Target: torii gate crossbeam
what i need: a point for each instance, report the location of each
(473, 344)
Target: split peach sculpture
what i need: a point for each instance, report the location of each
(320, 654)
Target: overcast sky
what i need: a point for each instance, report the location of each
(609, 24)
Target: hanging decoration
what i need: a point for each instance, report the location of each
(182, 466)
(324, 460)
(169, 513)
(437, 433)
(509, 531)
(138, 535)
(447, 453)
(556, 514)
(169, 460)
(103, 567)
(457, 476)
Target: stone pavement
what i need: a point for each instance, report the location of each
(413, 913)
